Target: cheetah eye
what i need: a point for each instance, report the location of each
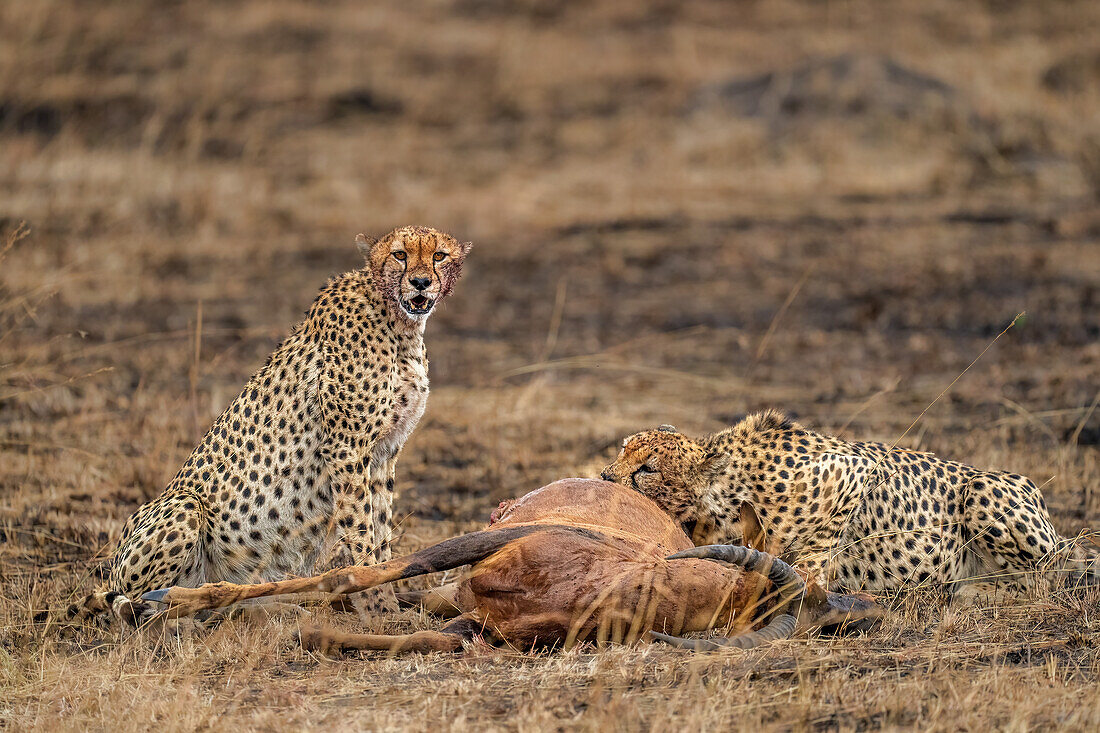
(399, 256)
(439, 256)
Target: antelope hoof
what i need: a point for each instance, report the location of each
(156, 596)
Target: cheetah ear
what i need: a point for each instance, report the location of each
(465, 247)
(667, 429)
(713, 463)
(364, 243)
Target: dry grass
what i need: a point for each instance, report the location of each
(682, 212)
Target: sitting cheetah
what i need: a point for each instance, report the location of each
(852, 516)
(298, 471)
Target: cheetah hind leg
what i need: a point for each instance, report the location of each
(982, 594)
(130, 613)
(97, 610)
(1011, 531)
(161, 545)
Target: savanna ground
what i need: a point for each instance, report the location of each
(681, 212)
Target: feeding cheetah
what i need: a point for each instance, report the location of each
(851, 515)
(298, 471)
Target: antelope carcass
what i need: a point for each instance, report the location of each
(578, 559)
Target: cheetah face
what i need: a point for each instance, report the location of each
(668, 467)
(416, 267)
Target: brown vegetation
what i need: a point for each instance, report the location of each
(681, 212)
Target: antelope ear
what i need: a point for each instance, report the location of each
(713, 463)
(752, 529)
(364, 243)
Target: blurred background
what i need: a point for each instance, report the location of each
(682, 211)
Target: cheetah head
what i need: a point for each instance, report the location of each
(668, 467)
(416, 267)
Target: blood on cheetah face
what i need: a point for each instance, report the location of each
(668, 467)
(415, 267)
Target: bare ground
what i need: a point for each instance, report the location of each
(681, 213)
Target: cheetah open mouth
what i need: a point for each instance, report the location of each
(418, 305)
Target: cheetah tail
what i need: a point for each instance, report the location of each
(446, 555)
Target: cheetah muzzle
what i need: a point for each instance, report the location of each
(415, 278)
(418, 305)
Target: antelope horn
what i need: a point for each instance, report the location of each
(779, 627)
(788, 583)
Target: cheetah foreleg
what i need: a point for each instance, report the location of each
(352, 523)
